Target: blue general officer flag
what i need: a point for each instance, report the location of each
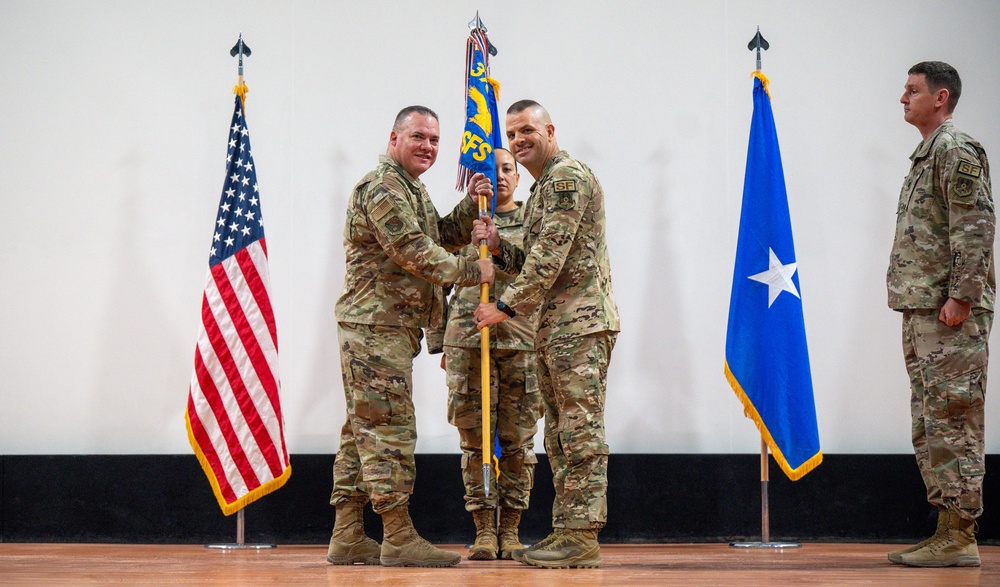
(767, 361)
(482, 125)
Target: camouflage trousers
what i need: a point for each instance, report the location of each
(947, 369)
(573, 376)
(515, 408)
(377, 441)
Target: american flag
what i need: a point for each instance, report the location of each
(234, 419)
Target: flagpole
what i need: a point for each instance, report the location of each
(478, 28)
(756, 44)
(484, 368)
(765, 512)
(240, 49)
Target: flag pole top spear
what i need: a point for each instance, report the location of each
(241, 49)
(758, 42)
(476, 24)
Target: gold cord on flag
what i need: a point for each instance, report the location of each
(763, 81)
(241, 90)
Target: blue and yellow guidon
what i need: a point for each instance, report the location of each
(482, 125)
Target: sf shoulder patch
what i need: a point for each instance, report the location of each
(965, 183)
(970, 169)
(565, 185)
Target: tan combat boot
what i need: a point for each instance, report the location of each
(485, 547)
(572, 549)
(403, 547)
(349, 543)
(518, 553)
(509, 541)
(942, 527)
(956, 547)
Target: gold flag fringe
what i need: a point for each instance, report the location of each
(231, 508)
(751, 412)
(496, 88)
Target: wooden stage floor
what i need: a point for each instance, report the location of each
(688, 565)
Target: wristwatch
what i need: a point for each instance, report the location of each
(506, 309)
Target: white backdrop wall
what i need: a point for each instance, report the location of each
(113, 126)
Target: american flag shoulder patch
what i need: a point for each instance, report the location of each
(383, 207)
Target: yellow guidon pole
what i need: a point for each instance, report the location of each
(484, 367)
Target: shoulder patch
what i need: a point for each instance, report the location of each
(565, 185)
(383, 207)
(970, 169)
(567, 201)
(394, 225)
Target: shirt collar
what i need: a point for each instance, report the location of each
(387, 160)
(925, 145)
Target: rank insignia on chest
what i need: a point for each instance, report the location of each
(970, 169)
(566, 185)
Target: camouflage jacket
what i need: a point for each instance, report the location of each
(945, 224)
(398, 251)
(514, 334)
(563, 267)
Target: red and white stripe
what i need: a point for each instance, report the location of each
(234, 414)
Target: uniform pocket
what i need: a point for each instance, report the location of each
(375, 392)
(906, 194)
(463, 405)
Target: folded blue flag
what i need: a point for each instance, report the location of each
(767, 361)
(482, 125)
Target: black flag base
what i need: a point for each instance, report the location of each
(240, 544)
(765, 516)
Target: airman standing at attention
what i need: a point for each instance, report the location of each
(941, 277)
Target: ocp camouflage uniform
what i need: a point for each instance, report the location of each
(515, 402)
(565, 274)
(943, 248)
(396, 267)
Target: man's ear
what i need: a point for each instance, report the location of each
(941, 98)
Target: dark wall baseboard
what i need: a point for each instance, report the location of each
(165, 499)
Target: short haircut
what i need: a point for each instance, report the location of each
(940, 75)
(522, 105)
(397, 125)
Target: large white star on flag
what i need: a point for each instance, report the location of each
(778, 278)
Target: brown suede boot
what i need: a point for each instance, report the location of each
(485, 547)
(573, 549)
(403, 547)
(349, 543)
(942, 527)
(509, 541)
(956, 547)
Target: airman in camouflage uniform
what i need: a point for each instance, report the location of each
(941, 277)
(515, 402)
(563, 272)
(397, 262)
